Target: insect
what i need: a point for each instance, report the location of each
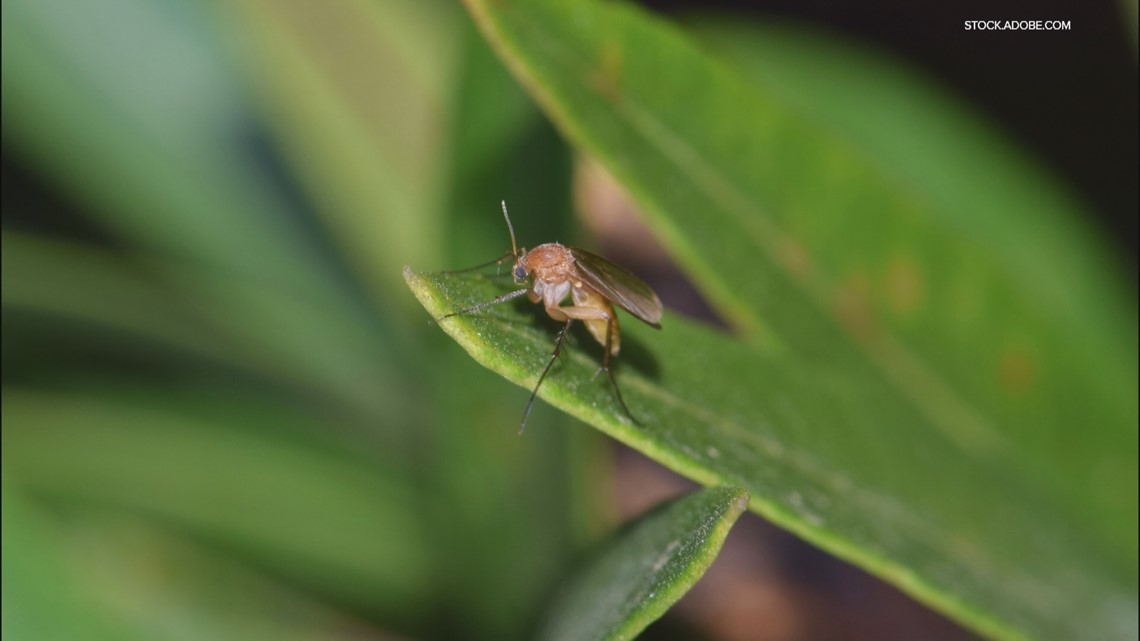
(553, 271)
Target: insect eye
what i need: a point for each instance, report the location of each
(520, 272)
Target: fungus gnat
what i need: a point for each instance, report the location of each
(595, 286)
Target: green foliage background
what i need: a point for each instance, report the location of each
(225, 416)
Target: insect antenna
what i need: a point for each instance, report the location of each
(510, 228)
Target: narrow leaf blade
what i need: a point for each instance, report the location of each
(647, 569)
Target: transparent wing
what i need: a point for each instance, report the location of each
(619, 285)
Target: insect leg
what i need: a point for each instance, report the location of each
(586, 313)
(609, 372)
(494, 301)
(553, 357)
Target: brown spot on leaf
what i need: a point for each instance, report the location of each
(905, 286)
(1017, 370)
(795, 259)
(853, 307)
(606, 77)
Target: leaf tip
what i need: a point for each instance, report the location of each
(414, 281)
(740, 503)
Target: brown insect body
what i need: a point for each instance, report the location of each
(594, 284)
(555, 274)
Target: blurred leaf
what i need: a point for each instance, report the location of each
(357, 94)
(82, 282)
(502, 149)
(42, 598)
(947, 292)
(502, 506)
(172, 587)
(221, 268)
(333, 522)
(1130, 12)
(163, 152)
(649, 566)
(103, 291)
(172, 172)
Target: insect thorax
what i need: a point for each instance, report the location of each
(552, 292)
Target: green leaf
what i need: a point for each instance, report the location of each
(161, 584)
(100, 290)
(649, 566)
(230, 471)
(923, 322)
(359, 123)
(177, 178)
(43, 597)
(502, 148)
(807, 452)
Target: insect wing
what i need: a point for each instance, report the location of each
(619, 285)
